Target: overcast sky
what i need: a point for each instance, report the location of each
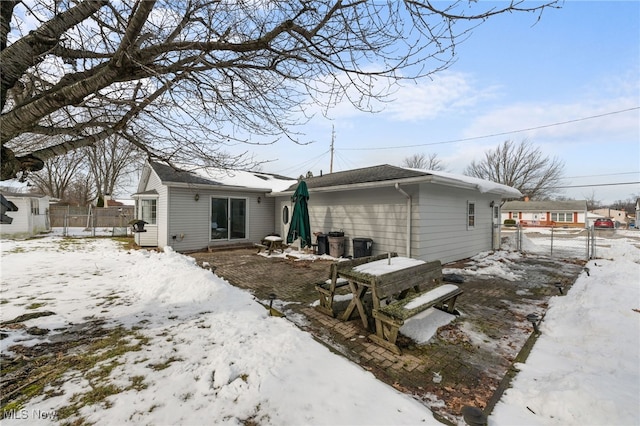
(571, 78)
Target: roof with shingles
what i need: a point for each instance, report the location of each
(220, 177)
(538, 206)
(379, 173)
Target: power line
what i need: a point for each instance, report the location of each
(597, 184)
(497, 134)
(607, 174)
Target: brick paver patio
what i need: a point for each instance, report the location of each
(463, 364)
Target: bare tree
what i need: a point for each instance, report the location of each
(423, 161)
(109, 161)
(521, 166)
(181, 78)
(592, 202)
(58, 175)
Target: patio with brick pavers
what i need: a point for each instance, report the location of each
(463, 364)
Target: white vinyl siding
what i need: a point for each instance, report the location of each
(190, 220)
(379, 214)
(30, 219)
(441, 231)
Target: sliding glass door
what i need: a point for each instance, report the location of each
(228, 218)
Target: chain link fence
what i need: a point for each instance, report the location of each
(568, 243)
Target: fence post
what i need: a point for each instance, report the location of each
(588, 243)
(552, 229)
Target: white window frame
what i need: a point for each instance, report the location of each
(471, 215)
(152, 218)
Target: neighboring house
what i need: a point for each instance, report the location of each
(422, 214)
(31, 218)
(195, 210)
(619, 216)
(547, 213)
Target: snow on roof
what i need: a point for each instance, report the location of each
(246, 179)
(215, 176)
(482, 185)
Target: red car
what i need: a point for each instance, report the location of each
(604, 223)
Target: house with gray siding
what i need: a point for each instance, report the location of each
(423, 214)
(200, 208)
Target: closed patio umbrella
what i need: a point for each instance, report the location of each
(299, 226)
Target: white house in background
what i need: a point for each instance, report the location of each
(31, 218)
(546, 213)
(206, 207)
(423, 214)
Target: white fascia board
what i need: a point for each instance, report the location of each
(204, 186)
(437, 180)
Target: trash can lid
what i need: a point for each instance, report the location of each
(336, 234)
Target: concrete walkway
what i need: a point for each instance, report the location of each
(462, 365)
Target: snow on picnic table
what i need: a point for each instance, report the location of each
(386, 266)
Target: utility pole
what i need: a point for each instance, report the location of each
(333, 137)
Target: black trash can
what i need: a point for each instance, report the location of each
(323, 244)
(362, 247)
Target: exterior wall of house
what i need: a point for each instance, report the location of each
(438, 220)
(190, 220)
(21, 225)
(442, 231)
(27, 223)
(379, 214)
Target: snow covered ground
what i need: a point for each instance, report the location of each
(225, 361)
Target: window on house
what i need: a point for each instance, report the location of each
(471, 214)
(562, 217)
(148, 210)
(285, 215)
(35, 207)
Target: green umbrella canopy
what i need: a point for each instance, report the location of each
(299, 226)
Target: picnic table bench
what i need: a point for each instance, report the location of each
(391, 307)
(328, 289)
(271, 243)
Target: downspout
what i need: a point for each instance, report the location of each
(400, 190)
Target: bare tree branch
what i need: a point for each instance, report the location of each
(182, 79)
(521, 166)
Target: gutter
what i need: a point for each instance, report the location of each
(400, 190)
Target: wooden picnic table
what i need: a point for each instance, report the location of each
(271, 243)
(389, 281)
(362, 279)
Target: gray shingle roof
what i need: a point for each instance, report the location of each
(167, 173)
(380, 173)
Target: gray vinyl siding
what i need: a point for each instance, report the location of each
(379, 214)
(190, 219)
(442, 232)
